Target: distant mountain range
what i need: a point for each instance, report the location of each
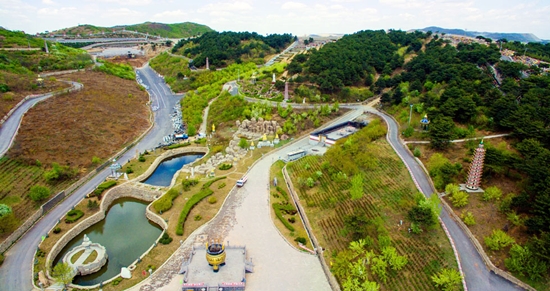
(175, 30)
(521, 37)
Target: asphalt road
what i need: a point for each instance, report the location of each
(16, 273)
(477, 276)
(9, 129)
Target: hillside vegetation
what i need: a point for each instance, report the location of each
(174, 30)
(224, 48)
(18, 39)
(359, 197)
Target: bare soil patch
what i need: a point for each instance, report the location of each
(72, 128)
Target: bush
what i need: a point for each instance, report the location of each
(141, 158)
(73, 215)
(58, 173)
(1, 259)
(498, 240)
(301, 240)
(408, 132)
(129, 170)
(221, 185)
(178, 145)
(277, 208)
(104, 186)
(165, 239)
(96, 160)
(492, 193)
(523, 261)
(198, 217)
(224, 167)
(292, 219)
(92, 204)
(56, 230)
(187, 184)
(460, 199)
(447, 279)
(164, 203)
(514, 218)
(417, 153)
(39, 193)
(212, 200)
(8, 96)
(243, 143)
(468, 218)
(117, 281)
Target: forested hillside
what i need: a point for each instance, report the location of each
(224, 48)
(174, 30)
(356, 59)
(456, 88)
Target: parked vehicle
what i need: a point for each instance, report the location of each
(241, 181)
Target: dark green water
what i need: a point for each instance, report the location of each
(126, 234)
(163, 174)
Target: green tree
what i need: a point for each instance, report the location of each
(243, 143)
(492, 193)
(447, 279)
(39, 193)
(63, 273)
(8, 222)
(426, 211)
(441, 132)
(395, 261)
(523, 261)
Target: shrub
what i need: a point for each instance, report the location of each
(301, 240)
(96, 160)
(221, 185)
(498, 240)
(468, 218)
(292, 219)
(243, 143)
(492, 193)
(1, 259)
(92, 204)
(277, 208)
(73, 215)
(460, 199)
(408, 132)
(8, 96)
(117, 281)
(282, 191)
(417, 153)
(141, 158)
(187, 184)
(178, 145)
(198, 217)
(164, 203)
(212, 200)
(165, 239)
(224, 167)
(104, 186)
(447, 279)
(39, 193)
(5, 210)
(189, 205)
(59, 172)
(129, 170)
(514, 218)
(4, 88)
(57, 230)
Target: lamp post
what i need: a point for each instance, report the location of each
(410, 114)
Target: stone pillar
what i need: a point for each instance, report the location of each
(273, 81)
(476, 168)
(207, 64)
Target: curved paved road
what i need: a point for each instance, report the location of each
(477, 276)
(9, 129)
(15, 273)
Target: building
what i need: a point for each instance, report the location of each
(329, 136)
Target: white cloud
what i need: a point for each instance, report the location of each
(169, 14)
(293, 5)
(127, 2)
(48, 2)
(120, 12)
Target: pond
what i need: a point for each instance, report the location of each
(163, 174)
(125, 233)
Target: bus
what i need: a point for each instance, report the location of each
(241, 181)
(296, 155)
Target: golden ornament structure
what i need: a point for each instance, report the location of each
(215, 255)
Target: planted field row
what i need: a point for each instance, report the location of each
(388, 194)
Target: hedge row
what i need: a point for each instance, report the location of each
(73, 215)
(203, 193)
(283, 192)
(178, 145)
(104, 186)
(277, 208)
(165, 202)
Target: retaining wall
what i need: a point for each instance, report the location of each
(20, 231)
(169, 154)
(330, 277)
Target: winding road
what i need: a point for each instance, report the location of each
(16, 273)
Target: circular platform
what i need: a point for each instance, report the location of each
(91, 257)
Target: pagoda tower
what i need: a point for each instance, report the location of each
(476, 168)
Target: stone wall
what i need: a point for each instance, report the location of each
(20, 231)
(169, 154)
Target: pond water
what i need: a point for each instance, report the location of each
(163, 174)
(125, 233)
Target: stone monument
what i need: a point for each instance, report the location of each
(81, 266)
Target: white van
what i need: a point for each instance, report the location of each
(241, 181)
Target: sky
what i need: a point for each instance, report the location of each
(299, 17)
